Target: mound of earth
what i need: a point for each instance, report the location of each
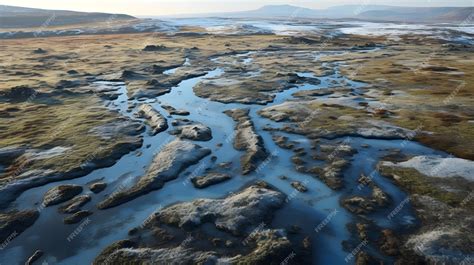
(211, 231)
(14, 222)
(246, 139)
(190, 130)
(166, 166)
(157, 122)
(61, 194)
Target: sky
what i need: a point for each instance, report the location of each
(174, 7)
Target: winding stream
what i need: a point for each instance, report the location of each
(306, 210)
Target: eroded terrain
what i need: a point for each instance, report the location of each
(247, 149)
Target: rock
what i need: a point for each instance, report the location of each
(98, 187)
(104, 256)
(156, 256)
(225, 165)
(332, 173)
(76, 217)
(62, 84)
(365, 205)
(144, 90)
(195, 132)
(300, 151)
(358, 204)
(172, 159)
(130, 75)
(75, 204)
(217, 242)
(337, 151)
(237, 214)
(239, 217)
(39, 51)
(153, 48)
(301, 40)
(34, 257)
(389, 244)
(60, 194)
(379, 196)
(282, 142)
(297, 160)
(364, 180)
(15, 222)
(157, 122)
(382, 112)
(363, 258)
(362, 231)
(436, 68)
(278, 113)
(293, 78)
(159, 69)
(10, 153)
(209, 179)
(172, 111)
(299, 186)
(246, 139)
(72, 72)
(20, 93)
(294, 229)
(273, 247)
(307, 243)
(310, 94)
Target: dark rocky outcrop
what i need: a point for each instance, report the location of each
(332, 174)
(389, 243)
(299, 186)
(15, 222)
(75, 204)
(98, 187)
(246, 139)
(366, 204)
(39, 51)
(173, 111)
(31, 260)
(166, 166)
(190, 130)
(210, 179)
(61, 194)
(20, 93)
(76, 217)
(157, 122)
(283, 142)
(184, 232)
(154, 48)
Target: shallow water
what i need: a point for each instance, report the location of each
(450, 32)
(306, 210)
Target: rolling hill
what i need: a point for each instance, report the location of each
(362, 12)
(22, 17)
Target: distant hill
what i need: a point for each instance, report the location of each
(363, 12)
(23, 17)
(421, 14)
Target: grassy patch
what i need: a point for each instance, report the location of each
(452, 191)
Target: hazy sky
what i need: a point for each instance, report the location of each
(170, 7)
